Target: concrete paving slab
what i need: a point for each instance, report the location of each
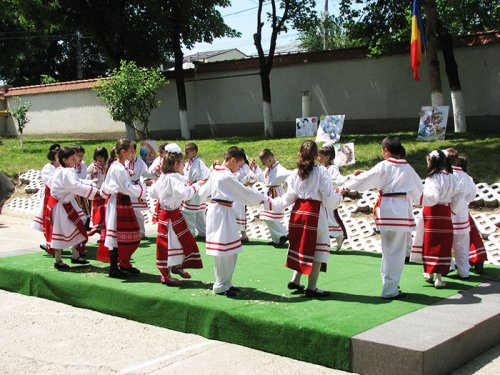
(433, 340)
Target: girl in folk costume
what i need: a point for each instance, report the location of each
(246, 177)
(311, 192)
(477, 251)
(155, 167)
(138, 168)
(63, 218)
(399, 187)
(442, 196)
(176, 247)
(120, 235)
(274, 176)
(223, 238)
(81, 171)
(97, 171)
(194, 209)
(336, 228)
(47, 173)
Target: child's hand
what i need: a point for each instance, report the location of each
(216, 162)
(94, 180)
(131, 172)
(357, 172)
(202, 182)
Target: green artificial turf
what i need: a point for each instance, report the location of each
(266, 315)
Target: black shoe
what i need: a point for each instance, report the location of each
(317, 293)
(200, 238)
(283, 240)
(407, 260)
(61, 266)
(228, 293)
(43, 247)
(118, 274)
(294, 286)
(79, 260)
(479, 268)
(397, 296)
(131, 270)
(235, 289)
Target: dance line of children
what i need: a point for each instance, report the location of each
(314, 191)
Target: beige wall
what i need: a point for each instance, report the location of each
(375, 94)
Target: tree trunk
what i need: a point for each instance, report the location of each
(181, 88)
(457, 99)
(432, 53)
(130, 131)
(21, 140)
(267, 109)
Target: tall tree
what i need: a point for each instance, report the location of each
(284, 13)
(381, 23)
(186, 23)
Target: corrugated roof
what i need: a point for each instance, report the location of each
(52, 87)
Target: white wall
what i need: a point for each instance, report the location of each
(371, 92)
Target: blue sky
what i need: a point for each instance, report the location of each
(242, 16)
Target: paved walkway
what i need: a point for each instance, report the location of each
(39, 336)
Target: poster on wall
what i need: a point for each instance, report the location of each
(432, 126)
(147, 151)
(306, 126)
(344, 154)
(330, 128)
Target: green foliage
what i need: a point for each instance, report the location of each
(20, 113)
(46, 79)
(130, 94)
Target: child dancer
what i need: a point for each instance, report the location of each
(138, 168)
(155, 168)
(477, 251)
(246, 177)
(399, 186)
(81, 171)
(336, 228)
(223, 239)
(434, 238)
(176, 247)
(274, 176)
(47, 173)
(96, 172)
(120, 235)
(64, 225)
(194, 209)
(310, 191)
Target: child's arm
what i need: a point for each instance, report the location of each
(127, 187)
(371, 179)
(76, 186)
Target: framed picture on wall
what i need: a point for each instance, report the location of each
(432, 126)
(306, 127)
(330, 128)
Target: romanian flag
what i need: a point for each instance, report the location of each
(417, 39)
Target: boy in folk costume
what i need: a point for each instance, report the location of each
(96, 172)
(274, 176)
(223, 239)
(310, 191)
(246, 177)
(176, 247)
(47, 173)
(120, 236)
(460, 219)
(63, 218)
(194, 209)
(399, 187)
(443, 195)
(138, 168)
(155, 168)
(336, 228)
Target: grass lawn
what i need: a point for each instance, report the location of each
(482, 149)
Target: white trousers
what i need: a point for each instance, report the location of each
(140, 219)
(277, 230)
(196, 221)
(394, 245)
(461, 244)
(224, 268)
